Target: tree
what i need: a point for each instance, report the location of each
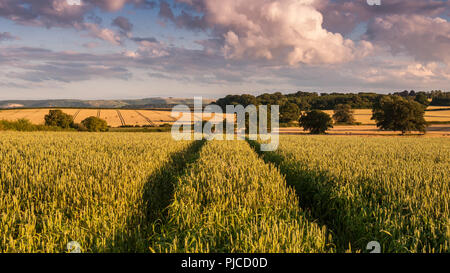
(316, 121)
(399, 114)
(344, 114)
(95, 124)
(289, 112)
(244, 100)
(58, 118)
(422, 98)
(440, 98)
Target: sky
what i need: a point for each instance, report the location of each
(125, 49)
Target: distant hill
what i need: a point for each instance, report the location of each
(125, 104)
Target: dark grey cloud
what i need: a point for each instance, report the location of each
(185, 19)
(123, 23)
(165, 11)
(6, 36)
(426, 39)
(46, 13)
(51, 13)
(344, 15)
(145, 39)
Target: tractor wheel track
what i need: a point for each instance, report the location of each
(146, 118)
(76, 114)
(120, 117)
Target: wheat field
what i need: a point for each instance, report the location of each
(88, 188)
(117, 118)
(114, 118)
(128, 192)
(393, 190)
(364, 116)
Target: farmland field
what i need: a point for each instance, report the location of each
(128, 192)
(112, 116)
(438, 113)
(434, 130)
(61, 187)
(158, 117)
(393, 190)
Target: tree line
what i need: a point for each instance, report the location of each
(56, 120)
(402, 111)
(328, 101)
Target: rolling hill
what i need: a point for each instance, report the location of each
(128, 104)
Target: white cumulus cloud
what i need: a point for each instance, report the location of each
(288, 31)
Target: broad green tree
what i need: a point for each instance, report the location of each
(399, 114)
(58, 118)
(344, 114)
(315, 121)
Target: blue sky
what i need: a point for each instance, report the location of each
(184, 48)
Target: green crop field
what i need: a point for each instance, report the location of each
(392, 190)
(88, 188)
(144, 192)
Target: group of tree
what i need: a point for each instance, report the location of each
(57, 118)
(291, 105)
(391, 113)
(303, 100)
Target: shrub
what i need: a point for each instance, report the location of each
(19, 125)
(25, 125)
(79, 127)
(95, 124)
(58, 118)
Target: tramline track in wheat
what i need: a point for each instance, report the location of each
(121, 118)
(76, 114)
(146, 118)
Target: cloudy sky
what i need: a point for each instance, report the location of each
(106, 49)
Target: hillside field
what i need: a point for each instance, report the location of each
(114, 118)
(117, 118)
(128, 192)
